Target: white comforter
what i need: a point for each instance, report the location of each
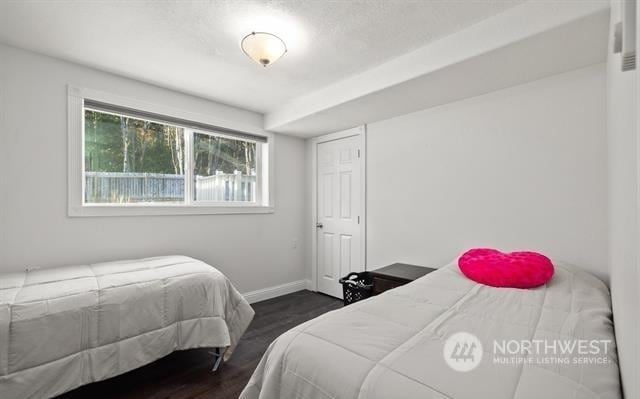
(391, 346)
(64, 327)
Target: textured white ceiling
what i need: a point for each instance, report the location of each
(193, 46)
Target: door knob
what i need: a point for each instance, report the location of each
(319, 225)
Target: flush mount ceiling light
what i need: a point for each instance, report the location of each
(262, 47)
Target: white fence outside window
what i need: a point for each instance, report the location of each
(116, 187)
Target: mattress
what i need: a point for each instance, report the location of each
(68, 326)
(395, 345)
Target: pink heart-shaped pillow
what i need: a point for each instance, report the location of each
(498, 269)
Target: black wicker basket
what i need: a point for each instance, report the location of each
(356, 287)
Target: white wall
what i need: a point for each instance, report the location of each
(623, 210)
(4, 152)
(520, 168)
(254, 251)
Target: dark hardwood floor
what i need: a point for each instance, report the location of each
(187, 374)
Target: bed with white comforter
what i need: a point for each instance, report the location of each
(64, 327)
(391, 346)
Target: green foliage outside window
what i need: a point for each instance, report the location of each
(122, 144)
(115, 143)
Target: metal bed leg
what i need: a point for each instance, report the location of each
(217, 359)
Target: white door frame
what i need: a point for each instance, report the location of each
(361, 132)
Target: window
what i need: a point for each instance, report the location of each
(129, 160)
(224, 169)
(140, 162)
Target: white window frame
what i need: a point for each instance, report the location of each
(265, 196)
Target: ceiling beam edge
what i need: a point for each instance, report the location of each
(509, 27)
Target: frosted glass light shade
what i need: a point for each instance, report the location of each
(262, 47)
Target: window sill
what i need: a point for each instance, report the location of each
(165, 210)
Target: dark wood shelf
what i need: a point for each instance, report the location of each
(395, 275)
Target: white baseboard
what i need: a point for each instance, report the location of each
(309, 285)
(278, 290)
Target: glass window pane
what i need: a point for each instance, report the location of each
(129, 160)
(224, 169)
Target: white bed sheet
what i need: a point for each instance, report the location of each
(391, 346)
(68, 326)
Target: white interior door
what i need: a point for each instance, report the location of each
(339, 203)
